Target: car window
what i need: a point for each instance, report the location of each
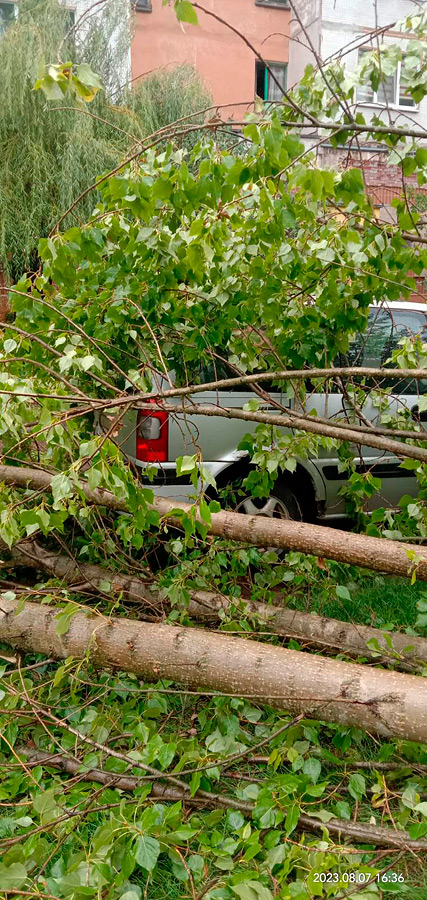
(386, 327)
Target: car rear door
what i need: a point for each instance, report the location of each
(386, 327)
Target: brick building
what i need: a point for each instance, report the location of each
(226, 65)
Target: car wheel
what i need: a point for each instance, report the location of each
(282, 503)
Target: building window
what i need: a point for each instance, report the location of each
(265, 86)
(9, 12)
(142, 6)
(7, 15)
(278, 4)
(391, 91)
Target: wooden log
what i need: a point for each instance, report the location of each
(386, 703)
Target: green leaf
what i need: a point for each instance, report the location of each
(50, 87)
(185, 12)
(45, 805)
(185, 465)
(195, 783)
(421, 157)
(409, 165)
(343, 809)
(87, 77)
(61, 488)
(105, 586)
(64, 617)
(205, 513)
(87, 362)
(292, 819)
(24, 821)
(147, 851)
(312, 767)
(322, 814)
(196, 863)
(252, 405)
(235, 820)
(342, 592)
(357, 786)
(13, 877)
(252, 890)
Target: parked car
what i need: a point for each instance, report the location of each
(152, 436)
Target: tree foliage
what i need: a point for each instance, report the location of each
(193, 254)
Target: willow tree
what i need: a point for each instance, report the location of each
(52, 151)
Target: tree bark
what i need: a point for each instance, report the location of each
(205, 606)
(358, 831)
(377, 554)
(386, 703)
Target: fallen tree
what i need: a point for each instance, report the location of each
(359, 832)
(205, 606)
(377, 554)
(178, 271)
(385, 703)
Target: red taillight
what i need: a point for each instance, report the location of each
(152, 435)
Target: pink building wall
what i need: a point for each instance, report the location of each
(225, 63)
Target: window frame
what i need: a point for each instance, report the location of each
(266, 77)
(398, 322)
(10, 4)
(273, 4)
(382, 104)
(145, 7)
(72, 11)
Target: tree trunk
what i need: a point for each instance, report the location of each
(377, 554)
(320, 631)
(386, 703)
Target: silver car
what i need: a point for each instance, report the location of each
(313, 491)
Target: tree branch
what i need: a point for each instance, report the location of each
(381, 702)
(357, 832)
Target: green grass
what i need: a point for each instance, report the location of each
(376, 601)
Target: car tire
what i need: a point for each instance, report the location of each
(282, 503)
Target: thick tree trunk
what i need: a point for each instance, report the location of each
(378, 554)
(320, 631)
(357, 831)
(386, 703)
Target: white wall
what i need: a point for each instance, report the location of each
(300, 55)
(338, 23)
